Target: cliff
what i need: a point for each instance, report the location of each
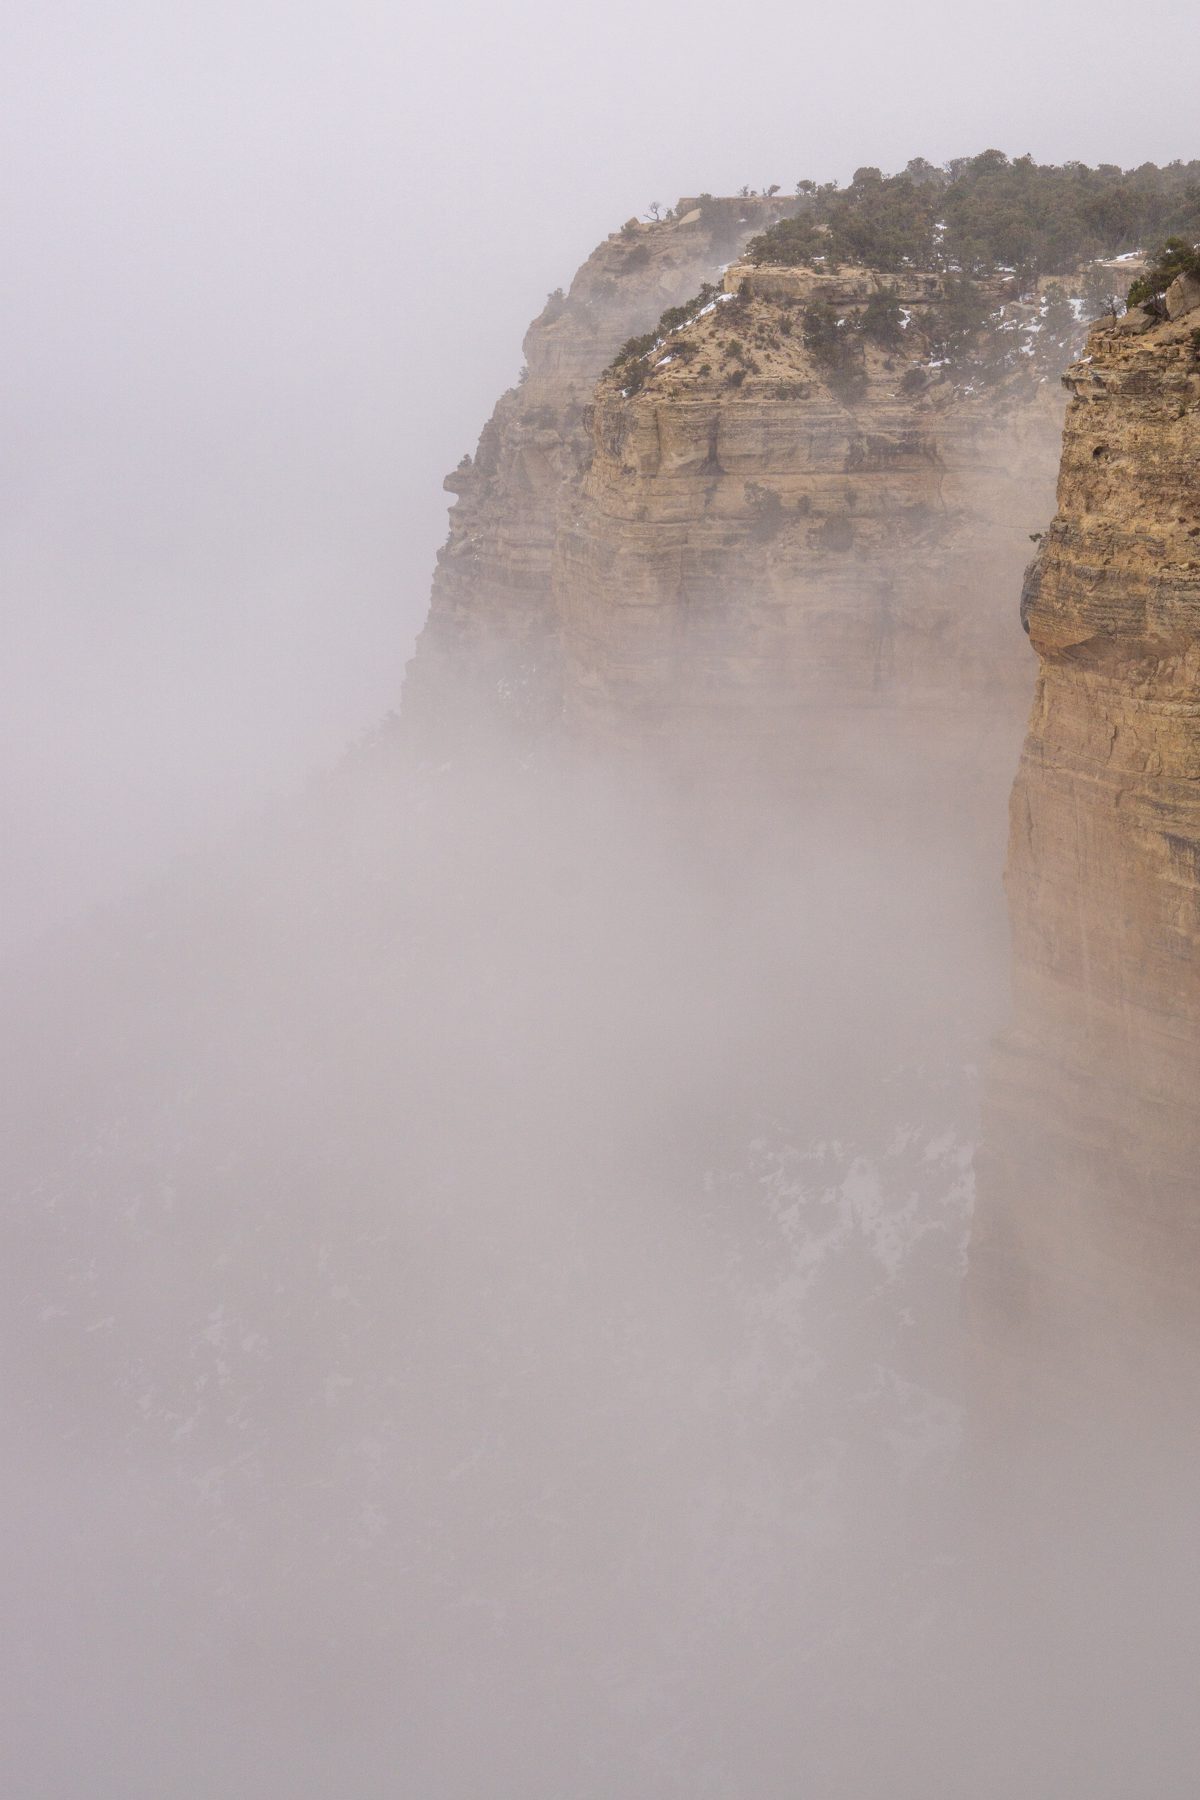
(1086, 1263)
(491, 646)
(799, 499)
(801, 512)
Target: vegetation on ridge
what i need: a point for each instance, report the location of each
(1176, 257)
(992, 229)
(982, 213)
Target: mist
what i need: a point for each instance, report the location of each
(484, 1327)
(267, 270)
(483, 1305)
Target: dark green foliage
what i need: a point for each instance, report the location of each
(1178, 256)
(832, 341)
(881, 319)
(675, 316)
(884, 223)
(821, 328)
(628, 362)
(925, 174)
(793, 241)
(985, 212)
(957, 317)
(634, 347)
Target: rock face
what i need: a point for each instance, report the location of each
(1086, 1264)
(772, 533)
(741, 543)
(491, 643)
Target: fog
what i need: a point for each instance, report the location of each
(483, 1289)
(267, 269)
(485, 1242)
(482, 1318)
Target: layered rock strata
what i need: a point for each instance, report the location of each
(1085, 1275)
(750, 544)
(770, 540)
(491, 647)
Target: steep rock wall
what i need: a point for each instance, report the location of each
(763, 544)
(1085, 1273)
(491, 644)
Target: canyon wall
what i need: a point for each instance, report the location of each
(774, 543)
(743, 552)
(491, 646)
(1085, 1270)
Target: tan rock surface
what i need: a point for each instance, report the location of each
(756, 548)
(491, 643)
(1086, 1266)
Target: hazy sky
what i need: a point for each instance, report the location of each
(266, 267)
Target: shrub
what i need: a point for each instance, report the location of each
(979, 213)
(956, 319)
(791, 243)
(834, 347)
(1175, 257)
(673, 319)
(882, 319)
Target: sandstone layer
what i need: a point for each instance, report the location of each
(491, 646)
(1086, 1264)
(769, 539)
(735, 549)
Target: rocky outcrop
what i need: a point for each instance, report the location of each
(777, 532)
(1085, 1274)
(491, 646)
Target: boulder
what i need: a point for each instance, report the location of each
(1136, 320)
(1183, 295)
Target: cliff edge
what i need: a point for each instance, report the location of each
(490, 651)
(1086, 1263)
